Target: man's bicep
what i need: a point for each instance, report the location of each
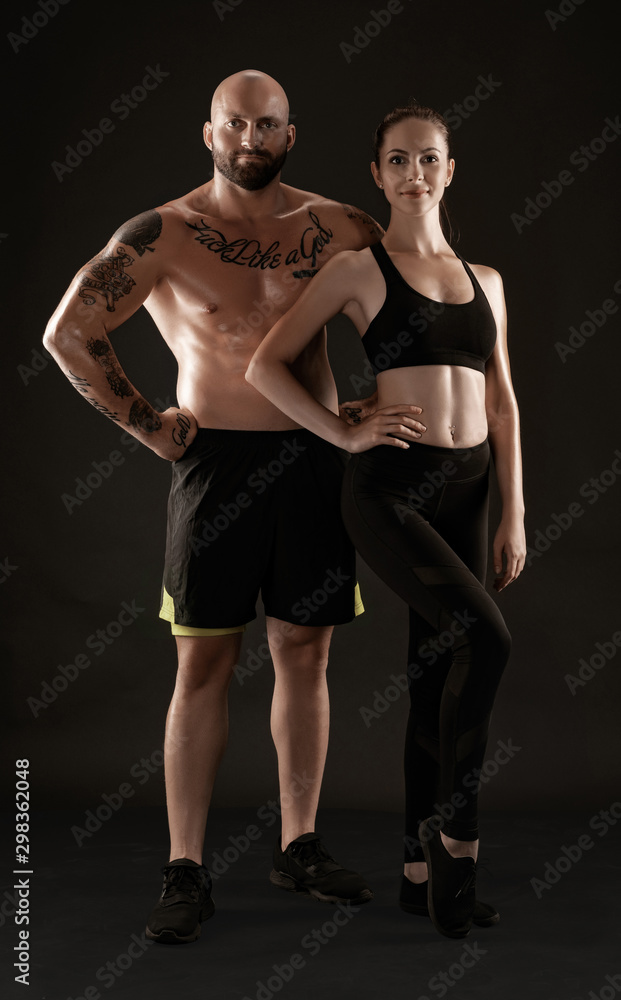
(115, 282)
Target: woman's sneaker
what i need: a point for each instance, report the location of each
(305, 866)
(451, 892)
(413, 899)
(185, 902)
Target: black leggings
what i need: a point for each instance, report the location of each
(418, 518)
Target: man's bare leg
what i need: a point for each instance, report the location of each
(196, 735)
(300, 719)
(300, 723)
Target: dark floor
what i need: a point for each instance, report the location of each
(89, 903)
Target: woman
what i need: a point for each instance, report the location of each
(415, 493)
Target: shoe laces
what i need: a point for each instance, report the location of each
(467, 884)
(312, 853)
(181, 879)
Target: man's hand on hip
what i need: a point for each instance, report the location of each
(178, 430)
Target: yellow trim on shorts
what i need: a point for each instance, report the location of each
(167, 611)
(188, 630)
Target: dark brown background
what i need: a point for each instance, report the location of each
(74, 570)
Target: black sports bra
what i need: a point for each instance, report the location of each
(411, 329)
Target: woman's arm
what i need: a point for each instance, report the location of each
(329, 293)
(504, 434)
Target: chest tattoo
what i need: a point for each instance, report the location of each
(247, 252)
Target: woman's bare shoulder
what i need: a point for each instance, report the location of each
(487, 276)
(352, 262)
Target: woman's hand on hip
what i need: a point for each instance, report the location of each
(356, 410)
(394, 425)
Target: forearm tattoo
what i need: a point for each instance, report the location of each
(104, 409)
(180, 432)
(105, 275)
(83, 386)
(105, 279)
(79, 383)
(101, 351)
(142, 417)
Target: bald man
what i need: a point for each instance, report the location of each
(254, 502)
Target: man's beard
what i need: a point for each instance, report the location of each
(252, 174)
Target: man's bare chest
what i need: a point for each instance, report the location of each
(300, 243)
(218, 270)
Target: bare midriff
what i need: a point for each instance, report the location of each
(452, 399)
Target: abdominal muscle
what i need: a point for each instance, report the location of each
(452, 399)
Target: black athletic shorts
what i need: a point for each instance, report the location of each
(257, 511)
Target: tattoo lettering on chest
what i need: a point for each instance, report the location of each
(105, 275)
(247, 252)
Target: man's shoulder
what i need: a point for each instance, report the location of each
(179, 208)
(364, 220)
(299, 198)
(163, 223)
(354, 228)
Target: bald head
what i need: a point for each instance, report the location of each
(250, 85)
(249, 133)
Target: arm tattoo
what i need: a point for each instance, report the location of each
(139, 232)
(180, 433)
(105, 275)
(104, 409)
(79, 383)
(143, 417)
(83, 386)
(101, 351)
(354, 213)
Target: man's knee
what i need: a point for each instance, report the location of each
(205, 660)
(304, 645)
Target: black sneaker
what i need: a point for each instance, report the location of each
(305, 866)
(185, 902)
(451, 890)
(413, 899)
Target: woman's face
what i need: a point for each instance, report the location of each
(414, 168)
